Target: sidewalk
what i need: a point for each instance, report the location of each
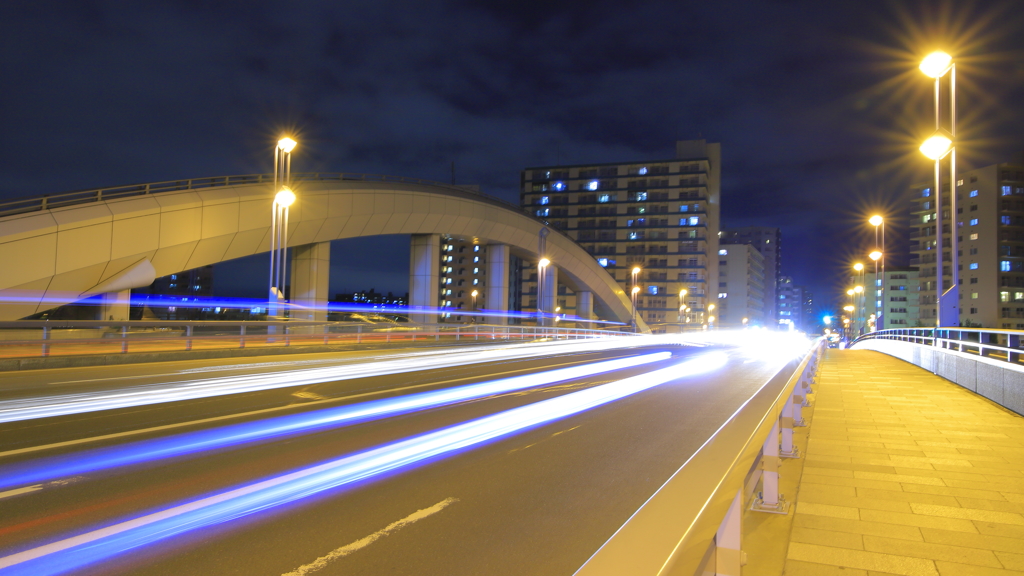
(906, 473)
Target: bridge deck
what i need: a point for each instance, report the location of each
(906, 473)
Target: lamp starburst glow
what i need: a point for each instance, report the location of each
(875, 220)
(287, 145)
(858, 266)
(285, 197)
(875, 255)
(935, 64)
(936, 147)
(543, 262)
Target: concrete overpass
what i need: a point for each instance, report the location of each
(63, 248)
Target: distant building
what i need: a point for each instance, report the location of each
(901, 293)
(464, 270)
(791, 305)
(741, 272)
(188, 287)
(661, 215)
(371, 296)
(990, 232)
(768, 242)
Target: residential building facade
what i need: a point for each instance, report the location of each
(901, 293)
(990, 233)
(790, 305)
(661, 216)
(768, 242)
(741, 285)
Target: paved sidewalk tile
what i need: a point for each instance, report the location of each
(906, 473)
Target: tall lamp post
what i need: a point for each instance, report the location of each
(633, 293)
(474, 294)
(542, 264)
(940, 145)
(878, 291)
(877, 221)
(860, 290)
(283, 198)
(682, 308)
(859, 268)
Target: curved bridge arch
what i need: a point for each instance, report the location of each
(54, 256)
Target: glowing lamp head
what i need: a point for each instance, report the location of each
(711, 307)
(745, 320)
(936, 64)
(636, 270)
(875, 220)
(635, 289)
(682, 293)
(827, 320)
(858, 289)
(936, 147)
(875, 255)
(285, 197)
(286, 145)
(474, 293)
(849, 292)
(848, 308)
(858, 266)
(543, 262)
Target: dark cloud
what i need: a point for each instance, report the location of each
(817, 104)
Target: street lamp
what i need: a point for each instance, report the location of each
(633, 293)
(937, 147)
(858, 267)
(877, 221)
(474, 295)
(682, 305)
(283, 198)
(542, 264)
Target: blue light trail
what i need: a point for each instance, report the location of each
(57, 467)
(97, 545)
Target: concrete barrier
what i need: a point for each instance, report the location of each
(997, 380)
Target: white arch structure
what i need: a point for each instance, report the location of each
(106, 241)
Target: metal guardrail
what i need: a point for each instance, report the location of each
(1003, 345)
(41, 338)
(50, 201)
(691, 525)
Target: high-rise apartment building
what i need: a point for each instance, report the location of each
(791, 305)
(901, 292)
(659, 215)
(768, 242)
(990, 232)
(741, 281)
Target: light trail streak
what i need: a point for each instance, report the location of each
(62, 466)
(65, 404)
(97, 545)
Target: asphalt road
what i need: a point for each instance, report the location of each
(535, 501)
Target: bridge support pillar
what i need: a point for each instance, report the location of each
(114, 306)
(497, 282)
(729, 556)
(585, 308)
(424, 283)
(548, 298)
(311, 268)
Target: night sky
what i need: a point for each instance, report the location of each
(818, 105)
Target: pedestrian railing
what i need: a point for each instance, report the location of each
(42, 338)
(1003, 345)
(691, 525)
(49, 201)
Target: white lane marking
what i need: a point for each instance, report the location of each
(243, 414)
(364, 542)
(18, 491)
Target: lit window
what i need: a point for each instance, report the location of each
(1004, 296)
(684, 208)
(694, 220)
(974, 221)
(543, 212)
(974, 236)
(974, 193)
(1006, 190)
(558, 186)
(448, 281)
(592, 185)
(926, 192)
(974, 266)
(604, 198)
(642, 171)
(476, 258)
(974, 295)
(476, 270)
(602, 262)
(926, 218)
(652, 289)
(960, 182)
(1018, 295)
(476, 281)
(544, 200)
(448, 292)
(1004, 266)
(767, 241)
(448, 303)
(174, 276)
(476, 248)
(722, 295)
(634, 235)
(723, 252)
(641, 196)
(1005, 220)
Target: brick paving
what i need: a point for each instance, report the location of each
(906, 473)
